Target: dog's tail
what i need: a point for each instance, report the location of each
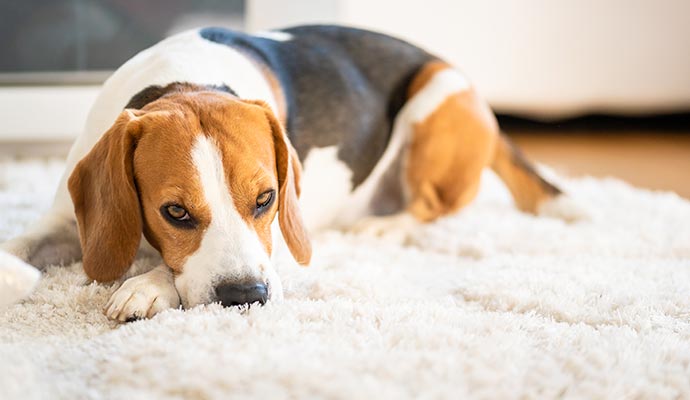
(17, 279)
(529, 189)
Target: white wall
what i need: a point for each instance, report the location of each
(269, 14)
(540, 57)
(545, 58)
(44, 113)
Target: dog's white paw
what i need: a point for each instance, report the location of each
(143, 296)
(394, 228)
(566, 208)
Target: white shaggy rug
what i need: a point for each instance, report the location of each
(489, 304)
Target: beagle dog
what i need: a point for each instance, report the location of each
(196, 146)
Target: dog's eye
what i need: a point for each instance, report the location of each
(177, 212)
(264, 200)
(177, 215)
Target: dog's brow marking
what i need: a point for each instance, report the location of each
(211, 173)
(225, 219)
(230, 248)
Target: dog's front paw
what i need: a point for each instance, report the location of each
(143, 296)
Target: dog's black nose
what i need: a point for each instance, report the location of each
(236, 295)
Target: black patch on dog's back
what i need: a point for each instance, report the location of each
(154, 92)
(343, 86)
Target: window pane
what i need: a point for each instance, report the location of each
(71, 36)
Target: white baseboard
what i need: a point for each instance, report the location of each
(44, 113)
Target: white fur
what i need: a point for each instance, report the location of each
(326, 186)
(143, 296)
(278, 36)
(443, 84)
(230, 249)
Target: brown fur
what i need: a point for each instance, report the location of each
(528, 188)
(143, 162)
(106, 201)
(447, 154)
(165, 174)
(450, 149)
(289, 172)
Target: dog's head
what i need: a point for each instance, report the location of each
(202, 175)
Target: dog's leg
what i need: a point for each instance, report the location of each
(533, 193)
(449, 147)
(451, 137)
(527, 187)
(144, 296)
(52, 240)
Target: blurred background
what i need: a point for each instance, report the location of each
(589, 87)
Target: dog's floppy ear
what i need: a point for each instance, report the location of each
(289, 172)
(106, 201)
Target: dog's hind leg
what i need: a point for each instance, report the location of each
(451, 144)
(450, 137)
(51, 240)
(531, 192)
(529, 189)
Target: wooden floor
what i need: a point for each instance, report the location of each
(650, 159)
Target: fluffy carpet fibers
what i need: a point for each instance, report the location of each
(490, 304)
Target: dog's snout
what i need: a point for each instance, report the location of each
(239, 294)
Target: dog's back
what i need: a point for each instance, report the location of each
(343, 86)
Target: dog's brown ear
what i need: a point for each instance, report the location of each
(289, 172)
(106, 201)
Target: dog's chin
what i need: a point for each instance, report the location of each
(275, 289)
